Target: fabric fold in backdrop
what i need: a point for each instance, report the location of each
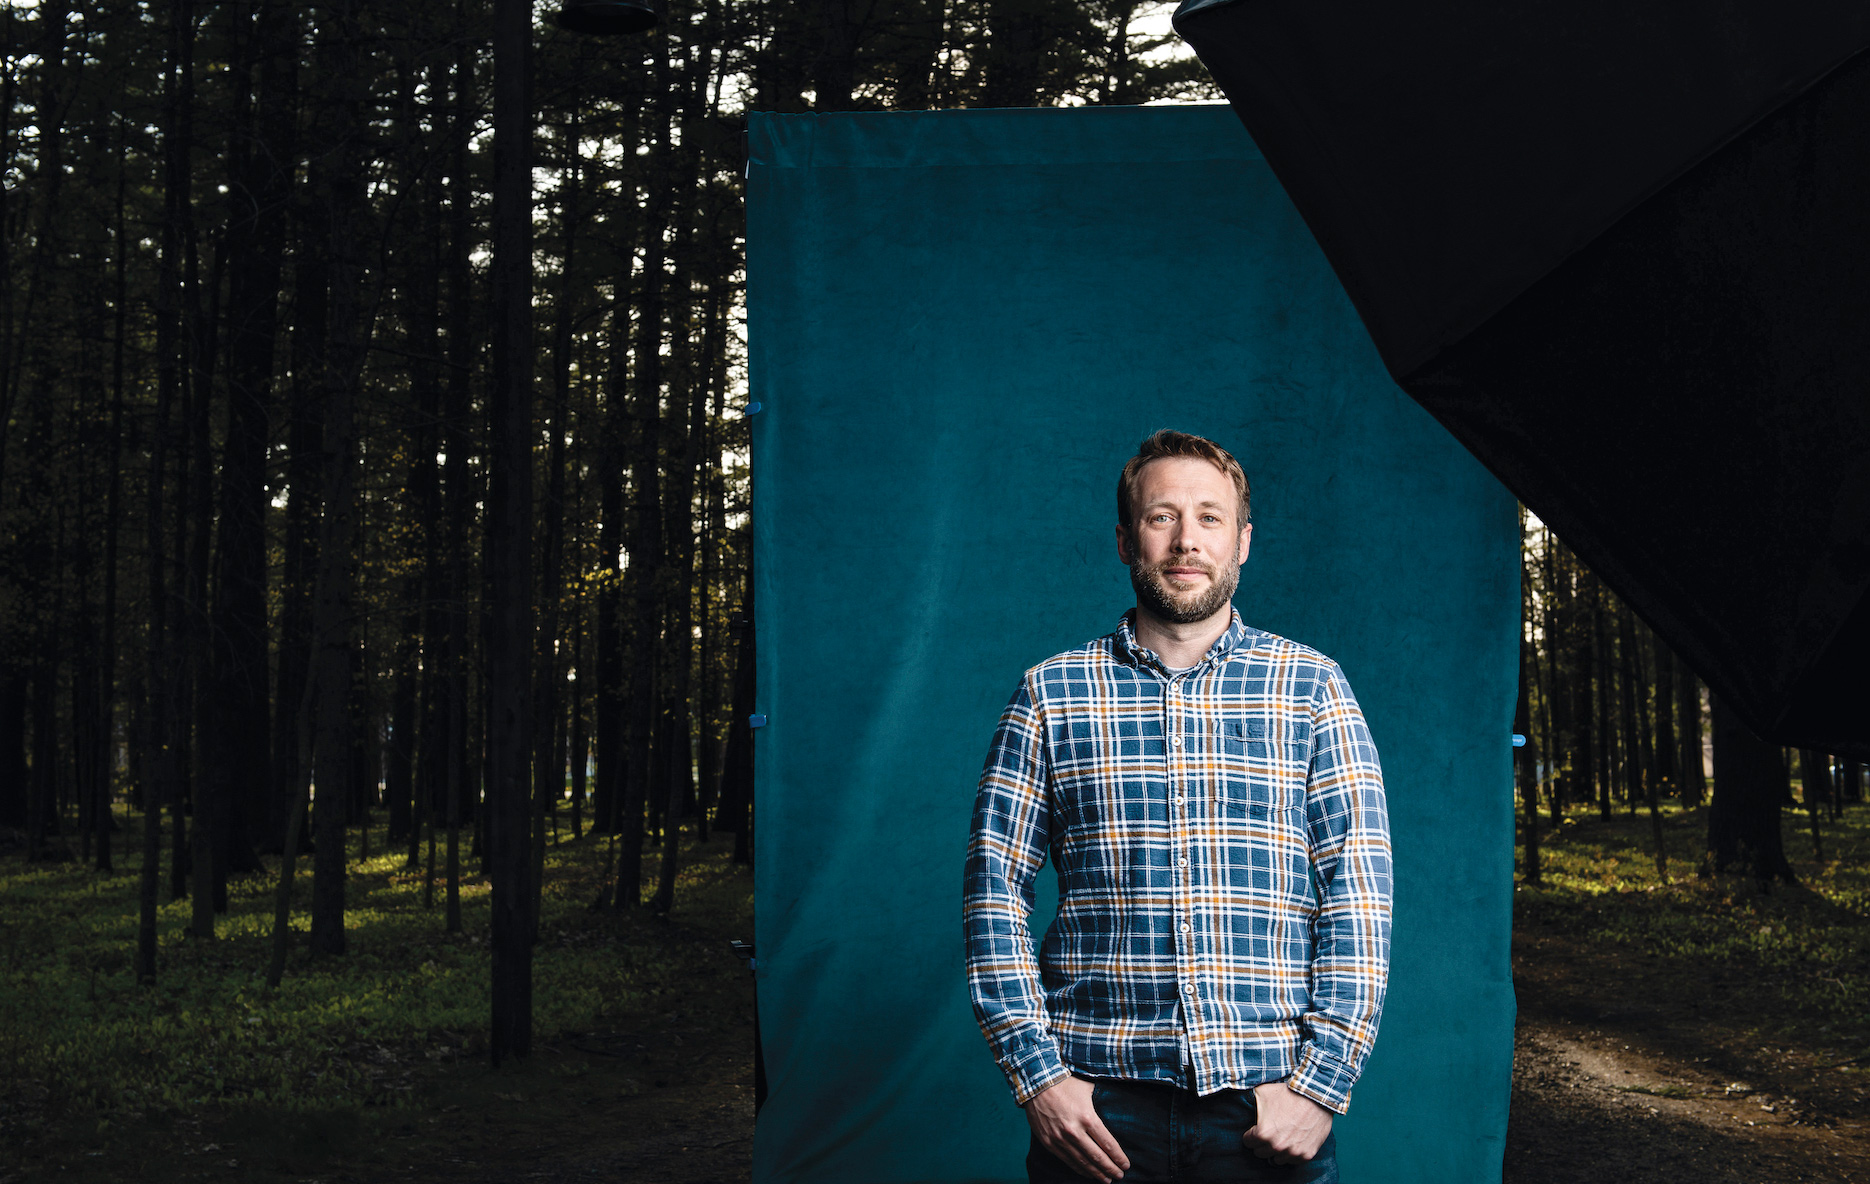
(960, 325)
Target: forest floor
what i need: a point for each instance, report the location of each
(1693, 1030)
(1689, 1030)
(373, 1066)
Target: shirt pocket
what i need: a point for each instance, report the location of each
(1248, 788)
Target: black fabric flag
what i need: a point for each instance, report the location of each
(1622, 252)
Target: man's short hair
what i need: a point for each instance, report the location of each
(1168, 443)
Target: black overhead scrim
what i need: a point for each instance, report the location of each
(1622, 251)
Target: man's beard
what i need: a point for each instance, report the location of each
(1184, 608)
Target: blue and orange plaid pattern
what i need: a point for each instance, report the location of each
(1222, 850)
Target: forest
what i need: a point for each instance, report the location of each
(1613, 719)
(250, 436)
(309, 557)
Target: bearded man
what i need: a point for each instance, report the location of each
(1211, 800)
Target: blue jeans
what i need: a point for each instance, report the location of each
(1173, 1136)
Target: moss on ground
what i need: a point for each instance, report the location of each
(377, 1030)
(1790, 965)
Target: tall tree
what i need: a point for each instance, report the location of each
(337, 184)
(1688, 730)
(1743, 820)
(509, 535)
(1668, 752)
(236, 758)
(1815, 790)
(645, 575)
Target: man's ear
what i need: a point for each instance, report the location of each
(1124, 551)
(1246, 540)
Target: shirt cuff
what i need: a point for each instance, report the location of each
(1034, 1069)
(1322, 1078)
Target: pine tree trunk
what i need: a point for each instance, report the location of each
(1579, 664)
(1606, 739)
(113, 502)
(1688, 735)
(340, 176)
(1815, 779)
(645, 575)
(548, 733)
(163, 689)
(458, 443)
(1668, 752)
(612, 709)
(236, 762)
(1743, 819)
(305, 477)
(580, 745)
(1851, 781)
(509, 559)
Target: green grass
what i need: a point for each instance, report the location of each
(1660, 1091)
(370, 1028)
(1791, 964)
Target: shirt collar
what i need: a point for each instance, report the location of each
(1129, 649)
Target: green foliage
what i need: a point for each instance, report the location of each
(1792, 964)
(369, 1029)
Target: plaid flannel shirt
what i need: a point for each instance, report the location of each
(1222, 850)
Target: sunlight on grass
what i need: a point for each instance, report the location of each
(77, 1032)
(1799, 957)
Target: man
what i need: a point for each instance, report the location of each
(1211, 800)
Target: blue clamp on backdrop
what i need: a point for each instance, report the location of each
(1519, 741)
(756, 721)
(754, 408)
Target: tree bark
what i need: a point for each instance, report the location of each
(548, 733)
(236, 760)
(1815, 782)
(458, 443)
(1688, 735)
(1851, 781)
(1668, 752)
(162, 688)
(1606, 739)
(113, 500)
(1743, 820)
(332, 658)
(305, 477)
(13, 770)
(509, 509)
(645, 575)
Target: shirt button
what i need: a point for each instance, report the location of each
(1188, 988)
(1184, 927)
(1182, 862)
(1177, 742)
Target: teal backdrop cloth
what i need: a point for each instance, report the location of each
(960, 324)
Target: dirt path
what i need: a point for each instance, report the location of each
(1662, 1090)
(1643, 1093)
